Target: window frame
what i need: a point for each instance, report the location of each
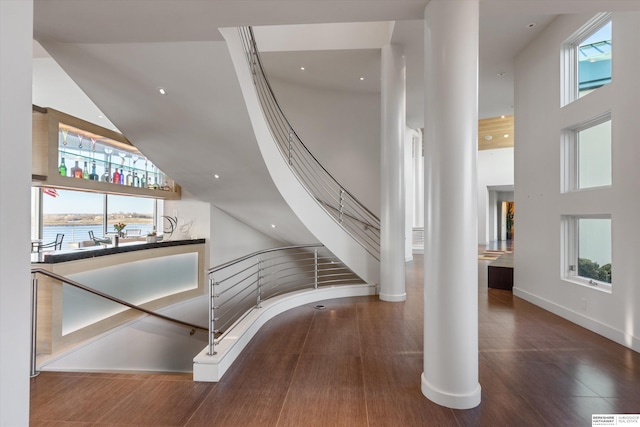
(570, 154)
(570, 252)
(569, 54)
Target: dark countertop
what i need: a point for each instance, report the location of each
(54, 257)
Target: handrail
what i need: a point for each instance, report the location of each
(236, 289)
(260, 252)
(34, 308)
(330, 195)
(114, 299)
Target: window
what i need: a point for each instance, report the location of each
(588, 250)
(586, 58)
(587, 155)
(137, 213)
(72, 213)
(75, 213)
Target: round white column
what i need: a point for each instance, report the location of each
(392, 218)
(450, 376)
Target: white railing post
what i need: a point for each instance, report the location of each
(212, 317)
(259, 288)
(290, 147)
(341, 210)
(315, 268)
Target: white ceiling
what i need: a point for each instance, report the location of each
(119, 52)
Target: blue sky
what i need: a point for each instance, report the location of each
(83, 202)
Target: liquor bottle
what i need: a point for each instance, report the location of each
(155, 183)
(121, 177)
(106, 176)
(85, 171)
(76, 171)
(62, 169)
(93, 176)
(116, 177)
(129, 179)
(143, 182)
(136, 180)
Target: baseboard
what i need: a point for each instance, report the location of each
(616, 335)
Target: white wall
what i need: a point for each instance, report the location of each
(342, 129)
(227, 237)
(539, 203)
(16, 32)
(231, 238)
(495, 168)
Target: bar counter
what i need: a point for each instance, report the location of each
(54, 257)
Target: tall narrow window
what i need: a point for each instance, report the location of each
(594, 60)
(587, 155)
(588, 250)
(587, 58)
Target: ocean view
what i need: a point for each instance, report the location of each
(80, 232)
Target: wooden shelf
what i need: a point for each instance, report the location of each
(47, 126)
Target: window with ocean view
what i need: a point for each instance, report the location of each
(72, 213)
(75, 213)
(136, 213)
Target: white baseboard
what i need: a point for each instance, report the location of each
(621, 337)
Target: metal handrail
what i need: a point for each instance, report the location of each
(271, 272)
(331, 196)
(63, 279)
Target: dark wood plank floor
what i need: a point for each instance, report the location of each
(358, 363)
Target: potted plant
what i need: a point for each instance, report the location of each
(119, 226)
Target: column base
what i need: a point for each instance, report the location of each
(393, 298)
(453, 401)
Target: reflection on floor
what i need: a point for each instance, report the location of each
(358, 363)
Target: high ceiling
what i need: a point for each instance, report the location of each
(118, 52)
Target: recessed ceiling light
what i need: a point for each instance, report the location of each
(162, 91)
(361, 78)
(216, 176)
(531, 25)
(501, 73)
(302, 68)
(502, 117)
(488, 137)
(101, 116)
(273, 226)
(506, 135)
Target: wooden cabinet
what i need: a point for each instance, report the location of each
(101, 155)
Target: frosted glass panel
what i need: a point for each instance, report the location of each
(136, 282)
(594, 156)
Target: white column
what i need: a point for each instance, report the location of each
(392, 286)
(16, 34)
(450, 376)
(418, 179)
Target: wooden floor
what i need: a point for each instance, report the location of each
(358, 363)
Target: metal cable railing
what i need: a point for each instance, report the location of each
(338, 202)
(238, 287)
(67, 281)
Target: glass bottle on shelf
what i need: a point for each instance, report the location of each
(129, 179)
(116, 177)
(93, 176)
(136, 180)
(121, 177)
(62, 169)
(76, 171)
(85, 171)
(143, 182)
